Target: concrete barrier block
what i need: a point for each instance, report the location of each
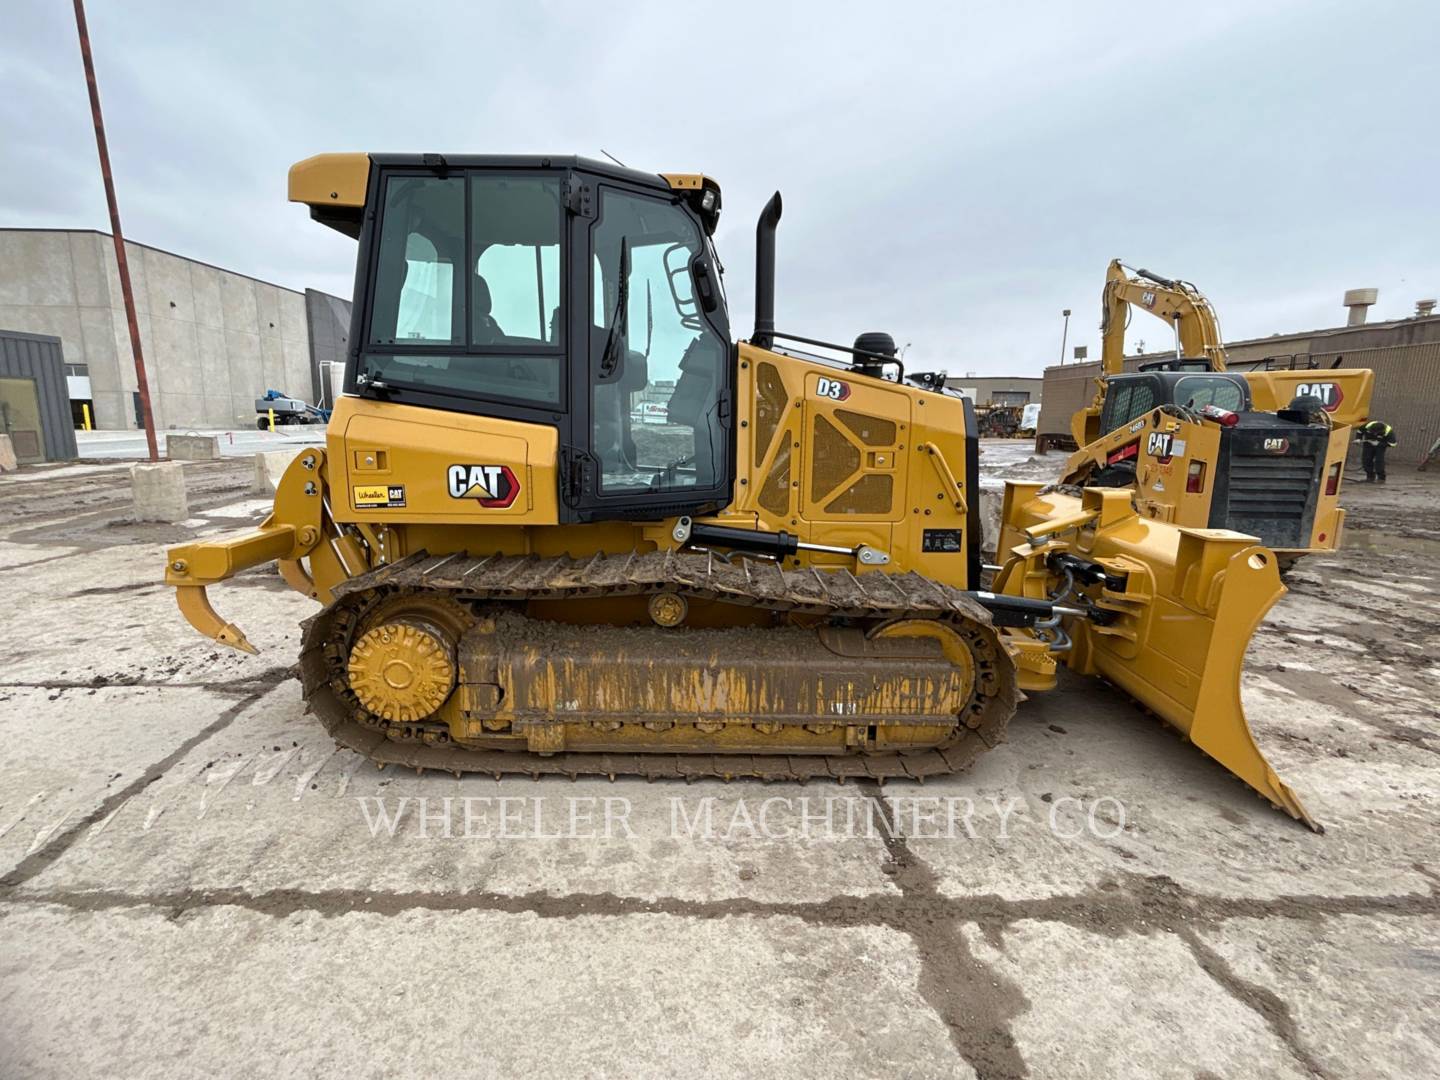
(192, 447)
(7, 455)
(270, 465)
(159, 491)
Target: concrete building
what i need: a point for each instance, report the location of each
(214, 340)
(1403, 353)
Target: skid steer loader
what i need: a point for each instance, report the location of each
(1260, 452)
(781, 580)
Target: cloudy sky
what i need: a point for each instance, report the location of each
(954, 173)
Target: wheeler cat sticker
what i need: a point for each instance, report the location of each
(378, 496)
(493, 486)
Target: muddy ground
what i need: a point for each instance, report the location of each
(196, 881)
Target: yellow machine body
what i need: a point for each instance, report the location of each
(826, 618)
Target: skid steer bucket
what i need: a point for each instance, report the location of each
(1173, 611)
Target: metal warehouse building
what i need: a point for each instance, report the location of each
(34, 404)
(214, 340)
(1403, 353)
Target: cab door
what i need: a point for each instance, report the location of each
(655, 390)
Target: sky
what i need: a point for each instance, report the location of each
(956, 174)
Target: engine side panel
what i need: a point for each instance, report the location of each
(843, 459)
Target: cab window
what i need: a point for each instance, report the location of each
(1126, 400)
(468, 287)
(1197, 391)
(657, 364)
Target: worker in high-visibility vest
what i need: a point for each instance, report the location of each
(1375, 437)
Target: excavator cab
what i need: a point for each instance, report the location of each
(1180, 363)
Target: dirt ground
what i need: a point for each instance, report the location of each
(193, 880)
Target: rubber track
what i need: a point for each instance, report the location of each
(874, 596)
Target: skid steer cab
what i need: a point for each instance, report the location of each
(1197, 452)
(564, 524)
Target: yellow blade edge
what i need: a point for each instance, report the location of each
(1181, 652)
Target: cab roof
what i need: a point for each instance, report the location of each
(334, 185)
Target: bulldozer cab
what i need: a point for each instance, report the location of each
(566, 293)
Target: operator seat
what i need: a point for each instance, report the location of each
(483, 325)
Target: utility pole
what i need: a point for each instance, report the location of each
(120, 262)
(1064, 334)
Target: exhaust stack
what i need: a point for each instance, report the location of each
(764, 335)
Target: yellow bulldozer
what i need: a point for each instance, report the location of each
(1261, 452)
(563, 523)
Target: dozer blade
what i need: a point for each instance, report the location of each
(1187, 669)
(1181, 607)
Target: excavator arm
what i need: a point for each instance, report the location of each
(1178, 303)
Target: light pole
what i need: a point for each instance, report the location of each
(1064, 335)
(121, 264)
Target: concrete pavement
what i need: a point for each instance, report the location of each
(194, 880)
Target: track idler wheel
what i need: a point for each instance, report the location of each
(402, 664)
(402, 670)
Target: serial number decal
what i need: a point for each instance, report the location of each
(378, 496)
(833, 389)
(493, 486)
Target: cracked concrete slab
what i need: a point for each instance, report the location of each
(54, 782)
(429, 994)
(1134, 1004)
(1159, 806)
(1364, 992)
(114, 602)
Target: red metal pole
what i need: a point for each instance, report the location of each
(120, 262)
